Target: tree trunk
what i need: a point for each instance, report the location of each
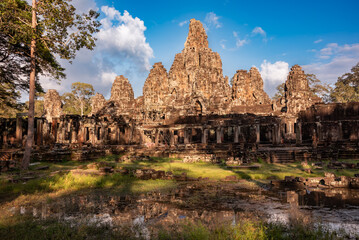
(82, 107)
(30, 132)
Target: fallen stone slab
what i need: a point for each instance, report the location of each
(42, 168)
(230, 179)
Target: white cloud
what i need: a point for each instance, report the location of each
(108, 77)
(334, 61)
(260, 31)
(125, 38)
(212, 20)
(273, 74)
(121, 49)
(222, 44)
(318, 41)
(239, 42)
(181, 24)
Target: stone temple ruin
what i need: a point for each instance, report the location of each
(192, 112)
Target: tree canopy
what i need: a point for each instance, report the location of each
(78, 101)
(15, 38)
(347, 87)
(59, 32)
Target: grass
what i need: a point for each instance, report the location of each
(176, 166)
(279, 171)
(65, 181)
(63, 184)
(16, 227)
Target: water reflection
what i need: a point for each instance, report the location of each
(329, 198)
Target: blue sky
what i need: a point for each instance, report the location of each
(321, 36)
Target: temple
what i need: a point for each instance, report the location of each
(192, 112)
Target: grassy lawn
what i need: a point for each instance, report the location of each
(58, 179)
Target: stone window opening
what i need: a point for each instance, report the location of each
(198, 108)
(174, 93)
(87, 137)
(98, 133)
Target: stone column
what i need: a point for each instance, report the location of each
(117, 134)
(62, 131)
(258, 133)
(205, 136)
(299, 133)
(102, 134)
(236, 134)
(172, 138)
(276, 134)
(73, 133)
(45, 130)
(340, 130)
(92, 135)
(39, 133)
(54, 129)
(319, 131)
(186, 136)
(219, 132)
(5, 138)
(157, 133)
(18, 129)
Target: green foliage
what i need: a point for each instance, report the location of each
(73, 182)
(347, 87)
(60, 31)
(78, 101)
(280, 92)
(15, 38)
(318, 88)
(247, 229)
(9, 97)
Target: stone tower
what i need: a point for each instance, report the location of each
(298, 96)
(247, 88)
(52, 105)
(121, 92)
(197, 72)
(156, 88)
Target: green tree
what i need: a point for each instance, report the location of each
(9, 101)
(280, 92)
(82, 92)
(15, 61)
(318, 88)
(347, 87)
(78, 101)
(46, 29)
